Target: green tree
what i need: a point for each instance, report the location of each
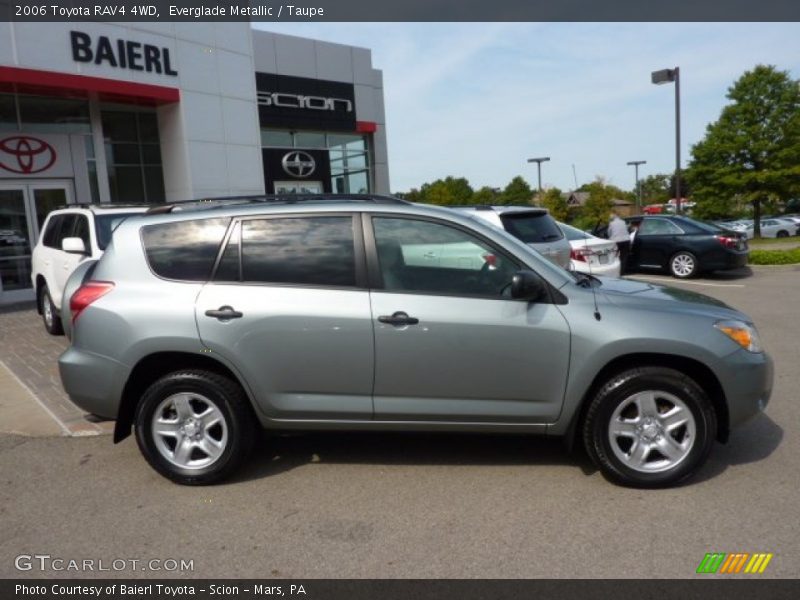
(656, 188)
(485, 195)
(753, 150)
(553, 200)
(516, 192)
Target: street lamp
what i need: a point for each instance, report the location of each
(635, 164)
(669, 76)
(539, 162)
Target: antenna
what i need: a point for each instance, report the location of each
(574, 176)
(589, 264)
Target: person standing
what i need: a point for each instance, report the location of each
(618, 232)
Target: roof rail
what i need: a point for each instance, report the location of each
(108, 204)
(273, 199)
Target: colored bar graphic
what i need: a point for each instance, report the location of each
(720, 562)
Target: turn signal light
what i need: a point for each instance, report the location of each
(580, 254)
(86, 294)
(726, 241)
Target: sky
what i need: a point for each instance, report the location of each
(476, 100)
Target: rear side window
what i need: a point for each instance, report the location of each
(104, 226)
(297, 250)
(531, 228)
(81, 230)
(50, 236)
(185, 250)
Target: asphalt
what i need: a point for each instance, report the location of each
(461, 506)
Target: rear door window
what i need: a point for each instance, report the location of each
(531, 227)
(184, 250)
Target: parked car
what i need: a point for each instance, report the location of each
(591, 254)
(534, 226)
(773, 228)
(199, 326)
(70, 236)
(684, 246)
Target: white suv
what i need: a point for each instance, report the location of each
(70, 236)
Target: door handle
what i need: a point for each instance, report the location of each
(224, 313)
(398, 319)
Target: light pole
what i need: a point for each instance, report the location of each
(636, 164)
(669, 76)
(539, 162)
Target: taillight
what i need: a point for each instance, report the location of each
(86, 294)
(580, 254)
(727, 241)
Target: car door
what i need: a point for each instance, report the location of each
(450, 343)
(655, 242)
(287, 309)
(75, 225)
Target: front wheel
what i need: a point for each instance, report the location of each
(683, 265)
(194, 427)
(650, 427)
(783, 234)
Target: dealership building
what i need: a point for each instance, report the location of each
(146, 112)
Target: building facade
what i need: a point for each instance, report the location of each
(153, 112)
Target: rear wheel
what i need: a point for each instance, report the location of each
(683, 265)
(650, 427)
(52, 322)
(194, 427)
(783, 234)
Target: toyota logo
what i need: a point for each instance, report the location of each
(26, 155)
(298, 163)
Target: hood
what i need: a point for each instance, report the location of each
(640, 294)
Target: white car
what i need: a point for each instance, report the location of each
(591, 254)
(70, 236)
(771, 228)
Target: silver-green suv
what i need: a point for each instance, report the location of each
(202, 323)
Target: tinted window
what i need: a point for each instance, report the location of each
(230, 266)
(81, 230)
(573, 234)
(185, 250)
(105, 225)
(50, 237)
(658, 227)
(301, 250)
(421, 256)
(531, 228)
(65, 230)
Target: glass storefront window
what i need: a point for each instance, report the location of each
(8, 113)
(133, 154)
(279, 139)
(45, 114)
(309, 139)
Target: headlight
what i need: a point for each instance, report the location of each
(742, 333)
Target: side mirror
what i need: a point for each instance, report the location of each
(527, 285)
(73, 245)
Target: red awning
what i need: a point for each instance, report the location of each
(50, 83)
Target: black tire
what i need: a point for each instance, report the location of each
(782, 234)
(237, 425)
(615, 395)
(683, 265)
(52, 322)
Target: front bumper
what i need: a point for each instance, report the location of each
(92, 382)
(746, 378)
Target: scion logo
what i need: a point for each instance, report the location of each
(735, 562)
(302, 101)
(298, 163)
(26, 155)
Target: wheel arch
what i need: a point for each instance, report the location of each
(699, 372)
(41, 282)
(154, 366)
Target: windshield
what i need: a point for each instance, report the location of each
(106, 224)
(531, 227)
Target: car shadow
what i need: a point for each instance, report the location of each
(280, 453)
(751, 442)
(731, 275)
(275, 454)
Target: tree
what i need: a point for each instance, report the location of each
(555, 202)
(753, 150)
(656, 188)
(516, 192)
(486, 195)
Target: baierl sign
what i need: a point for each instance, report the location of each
(121, 54)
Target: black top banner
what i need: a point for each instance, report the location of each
(401, 10)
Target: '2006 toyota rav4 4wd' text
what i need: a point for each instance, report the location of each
(368, 313)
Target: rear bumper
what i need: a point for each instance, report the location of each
(729, 260)
(747, 382)
(610, 270)
(92, 382)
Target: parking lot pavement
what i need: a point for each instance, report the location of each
(31, 354)
(346, 505)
